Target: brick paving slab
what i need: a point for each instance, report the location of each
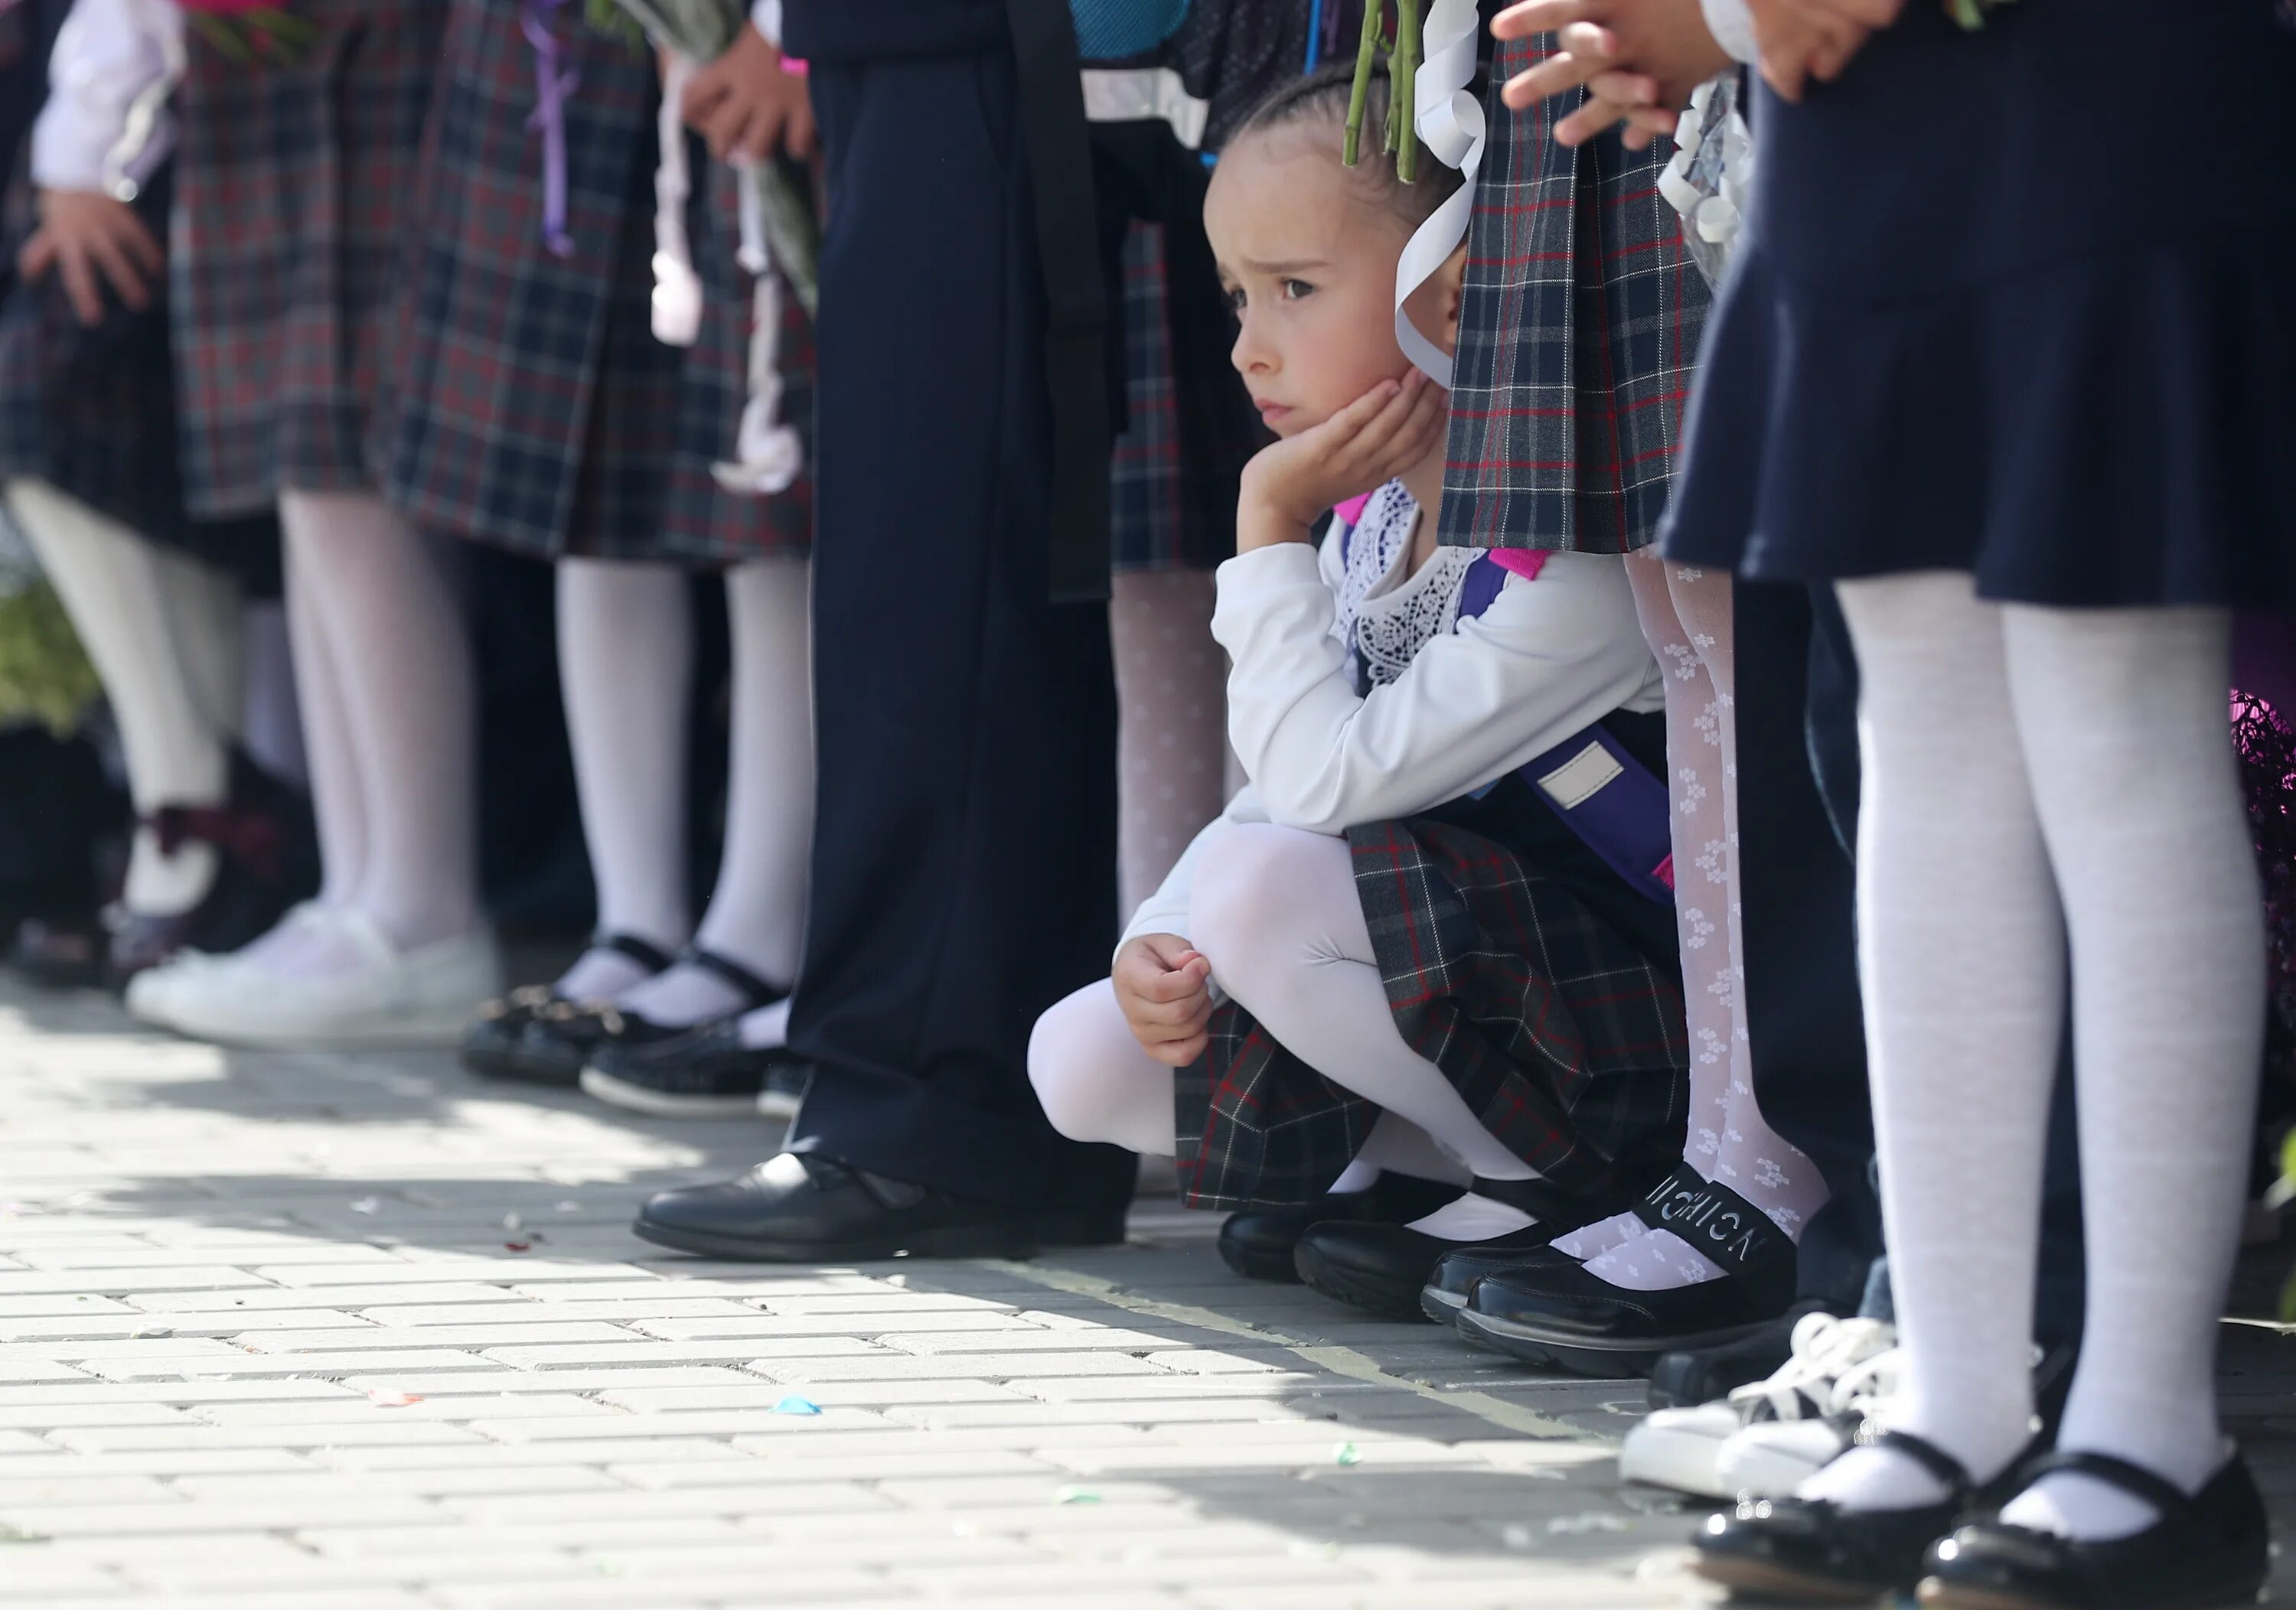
(342, 1333)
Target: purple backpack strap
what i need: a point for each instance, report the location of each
(1593, 781)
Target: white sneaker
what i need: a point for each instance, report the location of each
(1775, 1455)
(1684, 1449)
(392, 998)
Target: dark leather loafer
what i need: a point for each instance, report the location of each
(704, 1073)
(2204, 1551)
(1807, 1552)
(811, 1209)
(1454, 1279)
(1258, 1243)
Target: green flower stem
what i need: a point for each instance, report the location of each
(1366, 56)
(1403, 102)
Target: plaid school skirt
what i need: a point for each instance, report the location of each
(1173, 508)
(529, 404)
(1516, 964)
(1578, 334)
(291, 186)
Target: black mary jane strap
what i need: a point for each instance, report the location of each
(1951, 1474)
(1720, 1226)
(755, 990)
(644, 952)
(2173, 1502)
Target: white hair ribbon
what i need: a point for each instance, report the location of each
(1450, 123)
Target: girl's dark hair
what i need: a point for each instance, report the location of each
(1321, 98)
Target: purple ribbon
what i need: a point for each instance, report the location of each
(552, 86)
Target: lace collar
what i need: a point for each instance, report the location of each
(1385, 616)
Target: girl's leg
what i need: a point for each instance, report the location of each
(163, 632)
(337, 789)
(756, 913)
(385, 601)
(1171, 689)
(1688, 619)
(270, 724)
(625, 663)
(1962, 953)
(1094, 1079)
(1275, 912)
(2122, 715)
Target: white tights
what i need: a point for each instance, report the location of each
(163, 632)
(1685, 615)
(1275, 913)
(2029, 771)
(383, 669)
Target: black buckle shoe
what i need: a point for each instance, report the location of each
(2205, 1551)
(704, 1073)
(1811, 1552)
(1258, 1242)
(534, 1035)
(806, 1208)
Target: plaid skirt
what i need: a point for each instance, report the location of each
(1174, 489)
(91, 411)
(291, 187)
(1548, 992)
(1578, 334)
(529, 404)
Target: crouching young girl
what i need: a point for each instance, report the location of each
(1427, 939)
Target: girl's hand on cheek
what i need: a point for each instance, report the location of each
(1289, 487)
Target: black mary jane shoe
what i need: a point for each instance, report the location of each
(1558, 1315)
(1386, 1268)
(1456, 1276)
(2204, 1552)
(806, 1208)
(534, 1035)
(1807, 1551)
(704, 1073)
(1258, 1242)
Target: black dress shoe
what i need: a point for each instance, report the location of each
(1258, 1242)
(811, 1209)
(1683, 1380)
(2205, 1551)
(1807, 1551)
(534, 1035)
(1561, 1315)
(1448, 1289)
(704, 1073)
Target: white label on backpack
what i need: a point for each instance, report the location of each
(1581, 778)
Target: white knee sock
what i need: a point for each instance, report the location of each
(1094, 1080)
(386, 629)
(1275, 912)
(756, 913)
(626, 664)
(1172, 732)
(2122, 715)
(1686, 616)
(163, 632)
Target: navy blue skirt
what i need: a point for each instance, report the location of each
(1986, 317)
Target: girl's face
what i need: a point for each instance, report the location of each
(1307, 258)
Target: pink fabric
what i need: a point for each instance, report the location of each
(1525, 562)
(1664, 872)
(1351, 511)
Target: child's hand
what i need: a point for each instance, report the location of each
(1164, 987)
(744, 105)
(92, 239)
(1805, 39)
(1388, 430)
(1637, 59)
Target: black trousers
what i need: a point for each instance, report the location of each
(964, 855)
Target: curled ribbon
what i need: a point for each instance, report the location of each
(1450, 124)
(552, 86)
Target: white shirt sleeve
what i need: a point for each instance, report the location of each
(1732, 24)
(1165, 911)
(765, 17)
(109, 54)
(1549, 657)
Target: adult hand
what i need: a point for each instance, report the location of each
(744, 105)
(1163, 985)
(1371, 441)
(91, 240)
(1626, 54)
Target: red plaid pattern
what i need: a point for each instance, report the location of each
(528, 404)
(1563, 1034)
(291, 189)
(1578, 337)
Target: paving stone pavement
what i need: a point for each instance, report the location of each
(356, 1333)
